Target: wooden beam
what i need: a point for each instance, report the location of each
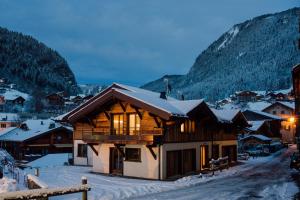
(107, 115)
(93, 148)
(156, 120)
(91, 122)
(118, 146)
(122, 106)
(151, 151)
(137, 111)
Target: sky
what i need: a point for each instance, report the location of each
(132, 41)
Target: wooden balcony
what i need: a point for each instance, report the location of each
(105, 135)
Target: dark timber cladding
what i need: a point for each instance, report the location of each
(296, 88)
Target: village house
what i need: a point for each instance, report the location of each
(9, 120)
(264, 123)
(35, 138)
(139, 133)
(285, 110)
(246, 96)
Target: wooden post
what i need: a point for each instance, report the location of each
(84, 193)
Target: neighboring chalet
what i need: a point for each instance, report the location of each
(285, 110)
(264, 123)
(139, 133)
(247, 96)
(35, 138)
(9, 120)
(251, 141)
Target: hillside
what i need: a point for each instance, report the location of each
(257, 54)
(32, 66)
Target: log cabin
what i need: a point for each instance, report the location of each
(138, 133)
(36, 138)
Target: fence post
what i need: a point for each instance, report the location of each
(37, 172)
(84, 193)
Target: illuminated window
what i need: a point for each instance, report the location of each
(118, 124)
(182, 128)
(134, 123)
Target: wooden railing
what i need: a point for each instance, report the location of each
(108, 136)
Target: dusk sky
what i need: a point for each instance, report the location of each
(132, 41)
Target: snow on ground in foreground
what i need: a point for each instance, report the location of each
(112, 187)
(50, 160)
(283, 191)
(7, 185)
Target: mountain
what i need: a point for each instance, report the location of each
(32, 66)
(257, 54)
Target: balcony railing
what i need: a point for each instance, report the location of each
(106, 135)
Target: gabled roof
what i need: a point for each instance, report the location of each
(34, 128)
(259, 137)
(256, 125)
(287, 104)
(264, 115)
(229, 115)
(164, 108)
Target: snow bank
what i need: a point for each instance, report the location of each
(7, 185)
(50, 160)
(37, 181)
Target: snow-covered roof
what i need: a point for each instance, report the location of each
(260, 137)
(34, 128)
(225, 115)
(256, 125)
(259, 105)
(287, 104)
(169, 105)
(11, 94)
(265, 114)
(50, 160)
(9, 117)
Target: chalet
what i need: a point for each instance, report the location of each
(35, 138)
(55, 99)
(264, 123)
(285, 110)
(251, 141)
(246, 96)
(139, 133)
(9, 120)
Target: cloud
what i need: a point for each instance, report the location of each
(130, 41)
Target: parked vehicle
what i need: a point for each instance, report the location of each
(243, 156)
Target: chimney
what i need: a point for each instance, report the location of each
(182, 97)
(163, 95)
(42, 123)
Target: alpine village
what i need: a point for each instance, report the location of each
(208, 134)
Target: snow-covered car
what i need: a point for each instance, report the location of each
(243, 156)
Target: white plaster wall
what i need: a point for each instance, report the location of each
(225, 143)
(101, 162)
(147, 168)
(81, 160)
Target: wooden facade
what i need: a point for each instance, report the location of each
(113, 122)
(59, 140)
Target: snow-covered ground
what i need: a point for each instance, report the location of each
(112, 187)
(7, 185)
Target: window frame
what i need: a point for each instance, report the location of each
(81, 153)
(139, 151)
(120, 127)
(135, 128)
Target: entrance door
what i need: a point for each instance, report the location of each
(204, 156)
(115, 161)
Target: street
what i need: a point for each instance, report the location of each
(272, 179)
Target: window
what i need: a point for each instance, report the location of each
(182, 128)
(82, 150)
(133, 154)
(118, 124)
(188, 126)
(134, 124)
(274, 112)
(282, 112)
(3, 125)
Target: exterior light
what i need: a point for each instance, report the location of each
(292, 119)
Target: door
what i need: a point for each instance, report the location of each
(204, 156)
(115, 161)
(181, 162)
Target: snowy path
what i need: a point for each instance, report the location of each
(266, 179)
